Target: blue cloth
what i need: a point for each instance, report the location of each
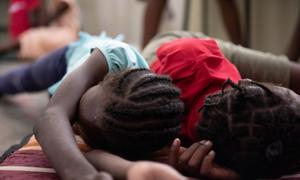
(51, 69)
(36, 76)
(119, 56)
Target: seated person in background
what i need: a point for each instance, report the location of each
(61, 19)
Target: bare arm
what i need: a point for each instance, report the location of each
(152, 17)
(231, 19)
(53, 130)
(115, 165)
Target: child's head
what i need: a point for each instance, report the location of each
(131, 113)
(255, 128)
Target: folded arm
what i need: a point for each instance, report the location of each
(53, 129)
(121, 168)
(113, 164)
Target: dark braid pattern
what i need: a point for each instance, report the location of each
(143, 113)
(255, 128)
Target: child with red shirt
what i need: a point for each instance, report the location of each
(198, 68)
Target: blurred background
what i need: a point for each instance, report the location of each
(269, 23)
(266, 25)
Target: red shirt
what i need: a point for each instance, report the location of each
(198, 68)
(19, 12)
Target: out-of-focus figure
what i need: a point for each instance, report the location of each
(59, 27)
(228, 8)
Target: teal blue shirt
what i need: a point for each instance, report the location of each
(119, 55)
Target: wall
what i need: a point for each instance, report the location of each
(272, 22)
(126, 17)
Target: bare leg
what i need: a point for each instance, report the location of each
(231, 19)
(152, 18)
(293, 51)
(9, 47)
(295, 77)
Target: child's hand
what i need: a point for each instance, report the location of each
(94, 176)
(198, 161)
(101, 176)
(104, 176)
(146, 170)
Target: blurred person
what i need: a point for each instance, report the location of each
(154, 10)
(59, 29)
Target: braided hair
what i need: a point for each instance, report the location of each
(255, 128)
(142, 114)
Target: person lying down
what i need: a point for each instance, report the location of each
(250, 128)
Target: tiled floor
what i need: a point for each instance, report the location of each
(18, 113)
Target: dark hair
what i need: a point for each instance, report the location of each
(142, 114)
(255, 128)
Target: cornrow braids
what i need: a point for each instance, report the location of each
(142, 114)
(255, 128)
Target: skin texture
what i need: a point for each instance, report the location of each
(153, 171)
(53, 129)
(124, 169)
(89, 113)
(152, 17)
(195, 162)
(105, 161)
(198, 161)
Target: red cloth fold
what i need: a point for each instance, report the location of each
(198, 68)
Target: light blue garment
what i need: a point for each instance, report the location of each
(119, 55)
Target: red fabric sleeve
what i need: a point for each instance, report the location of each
(198, 68)
(33, 4)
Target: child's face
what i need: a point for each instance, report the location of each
(91, 109)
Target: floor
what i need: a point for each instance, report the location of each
(19, 112)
